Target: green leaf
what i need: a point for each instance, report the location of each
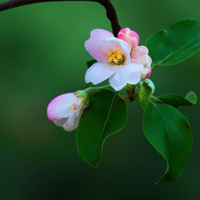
(191, 97)
(178, 100)
(178, 43)
(105, 115)
(170, 134)
(146, 89)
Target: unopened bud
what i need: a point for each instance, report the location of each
(129, 36)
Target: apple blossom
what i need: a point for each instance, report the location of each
(65, 110)
(120, 60)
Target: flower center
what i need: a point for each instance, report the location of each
(74, 107)
(116, 57)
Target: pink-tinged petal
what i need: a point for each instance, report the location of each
(148, 73)
(145, 73)
(59, 107)
(148, 60)
(127, 74)
(144, 49)
(111, 44)
(134, 42)
(99, 72)
(138, 53)
(129, 36)
(93, 45)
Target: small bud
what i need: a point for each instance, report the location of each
(129, 36)
(145, 73)
(66, 109)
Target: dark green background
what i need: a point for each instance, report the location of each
(41, 56)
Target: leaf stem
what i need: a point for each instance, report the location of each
(126, 97)
(156, 99)
(93, 89)
(154, 66)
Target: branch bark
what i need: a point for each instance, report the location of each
(110, 10)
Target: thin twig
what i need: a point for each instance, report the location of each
(112, 15)
(110, 10)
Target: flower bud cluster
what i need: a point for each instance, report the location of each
(119, 59)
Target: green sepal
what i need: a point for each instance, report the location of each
(146, 90)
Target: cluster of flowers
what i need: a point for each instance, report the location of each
(119, 59)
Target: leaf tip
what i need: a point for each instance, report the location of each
(191, 97)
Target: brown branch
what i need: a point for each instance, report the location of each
(110, 10)
(112, 15)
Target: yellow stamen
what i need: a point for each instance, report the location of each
(115, 57)
(74, 107)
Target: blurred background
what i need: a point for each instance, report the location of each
(42, 55)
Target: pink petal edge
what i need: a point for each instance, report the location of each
(62, 99)
(94, 44)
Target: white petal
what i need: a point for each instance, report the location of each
(72, 122)
(99, 72)
(126, 74)
(111, 44)
(61, 121)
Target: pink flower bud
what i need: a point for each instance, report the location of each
(145, 73)
(129, 36)
(65, 110)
